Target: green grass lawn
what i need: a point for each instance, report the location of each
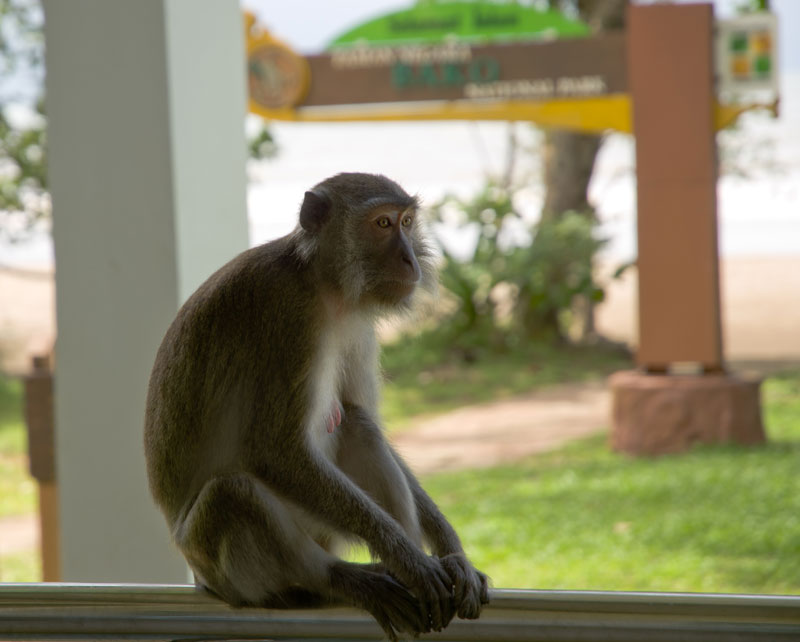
(721, 519)
(17, 488)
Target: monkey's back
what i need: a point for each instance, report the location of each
(228, 368)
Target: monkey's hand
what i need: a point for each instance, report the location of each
(470, 586)
(431, 584)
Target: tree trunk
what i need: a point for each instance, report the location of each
(568, 164)
(569, 156)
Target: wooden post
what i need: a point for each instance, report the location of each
(671, 82)
(671, 79)
(49, 531)
(41, 450)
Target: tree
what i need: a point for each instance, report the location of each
(569, 157)
(24, 200)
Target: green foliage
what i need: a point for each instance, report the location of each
(24, 201)
(472, 281)
(24, 198)
(262, 145)
(720, 518)
(21, 40)
(554, 272)
(522, 280)
(751, 6)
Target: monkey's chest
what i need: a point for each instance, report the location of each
(325, 412)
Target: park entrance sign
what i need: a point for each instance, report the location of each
(655, 80)
(454, 60)
(463, 61)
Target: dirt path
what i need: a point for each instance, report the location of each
(503, 431)
(18, 533)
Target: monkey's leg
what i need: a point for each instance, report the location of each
(248, 546)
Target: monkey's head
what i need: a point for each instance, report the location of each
(362, 232)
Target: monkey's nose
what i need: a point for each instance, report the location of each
(411, 268)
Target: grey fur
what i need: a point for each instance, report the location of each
(246, 385)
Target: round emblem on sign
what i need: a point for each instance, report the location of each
(277, 77)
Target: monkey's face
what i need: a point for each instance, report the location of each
(361, 232)
(390, 260)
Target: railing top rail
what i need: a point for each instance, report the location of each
(160, 612)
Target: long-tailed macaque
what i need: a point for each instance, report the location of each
(262, 434)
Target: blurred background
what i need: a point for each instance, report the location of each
(497, 399)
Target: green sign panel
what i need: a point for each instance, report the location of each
(437, 22)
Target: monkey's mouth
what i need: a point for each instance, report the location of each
(394, 291)
(405, 287)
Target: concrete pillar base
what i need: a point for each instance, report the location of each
(658, 414)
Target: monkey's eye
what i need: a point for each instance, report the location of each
(384, 222)
(407, 221)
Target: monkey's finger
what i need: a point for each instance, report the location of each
(432, 609)
(445, 580)
(468, 589)
(433, 589)
(459, 590)
(448, 606)
(484, 588)
(471, 607)
(438, 606)
(476, 596)
(458, 578)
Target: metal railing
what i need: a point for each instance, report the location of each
(170, 612)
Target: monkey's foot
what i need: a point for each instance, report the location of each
(395, 609)
(392, 605)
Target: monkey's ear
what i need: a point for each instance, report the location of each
(314, 211)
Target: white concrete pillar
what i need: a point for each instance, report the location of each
(145, 107)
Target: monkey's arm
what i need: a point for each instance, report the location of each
(440, 535)
(471, 587)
